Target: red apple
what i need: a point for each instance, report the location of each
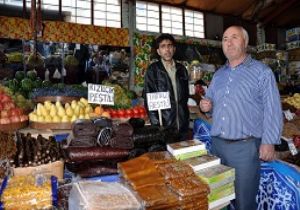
(23, 118)
(4, 114)
(8, 105)
(15, 112)
(4, 120)
(15, 119)
(6, 98)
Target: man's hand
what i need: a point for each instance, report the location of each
(267, 152)
(205, 105)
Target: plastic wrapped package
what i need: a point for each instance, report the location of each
(140, 172)
(189, 186)
(102, 196)
(30, 192)
(63, 196)
(175, 170)
(160, 157)
(78, 154)
(157, 197)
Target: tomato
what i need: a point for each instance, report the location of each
(142, 110)
(129, 112)
(113, 113)
(136, 115)
(121, 113)
(136, 110)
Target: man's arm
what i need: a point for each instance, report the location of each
(272, 116)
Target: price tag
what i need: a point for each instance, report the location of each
(100, 94)
(288, 115)
(158, 101)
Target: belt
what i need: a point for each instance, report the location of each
(236, 140)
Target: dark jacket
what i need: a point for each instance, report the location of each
(158, 80)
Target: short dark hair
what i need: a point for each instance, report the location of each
(162, 37)
(200, 82)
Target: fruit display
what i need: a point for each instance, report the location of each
(122, 98)
(134, 112)
(49, 112)
(24, 83)
(293, 101)
(19, 99)
(9, 112)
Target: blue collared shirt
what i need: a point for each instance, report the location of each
(246, 102)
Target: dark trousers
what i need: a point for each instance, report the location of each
(243, 155)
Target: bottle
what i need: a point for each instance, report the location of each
(47, 73)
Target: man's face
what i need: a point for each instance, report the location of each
(166, 50)
(199, 90)
(233, 44)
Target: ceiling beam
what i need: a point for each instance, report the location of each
(285, 6)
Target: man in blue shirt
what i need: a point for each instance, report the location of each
(247, 118)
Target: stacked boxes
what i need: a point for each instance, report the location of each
(293, 38)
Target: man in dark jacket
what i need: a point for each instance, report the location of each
(166, 75)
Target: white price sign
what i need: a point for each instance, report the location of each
(100, 94)
(158, 101)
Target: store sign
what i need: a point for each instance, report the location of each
(100, 94)
(158, 101)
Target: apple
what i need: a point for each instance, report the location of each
(23, 118)
(5, 120)
(15, 119)
(8, 105)
(6, 98)
(15, 112)
(4, 114)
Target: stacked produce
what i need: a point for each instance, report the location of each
(56, 112)
(18, 98)
(24, 83)
(9, 112)
(114, 113)
(35, 151)
(293, 100)
(122, 98)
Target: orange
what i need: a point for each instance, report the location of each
(98, 110)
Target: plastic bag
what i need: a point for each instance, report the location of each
(30, 192)
(102, 196)
(202, 132)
